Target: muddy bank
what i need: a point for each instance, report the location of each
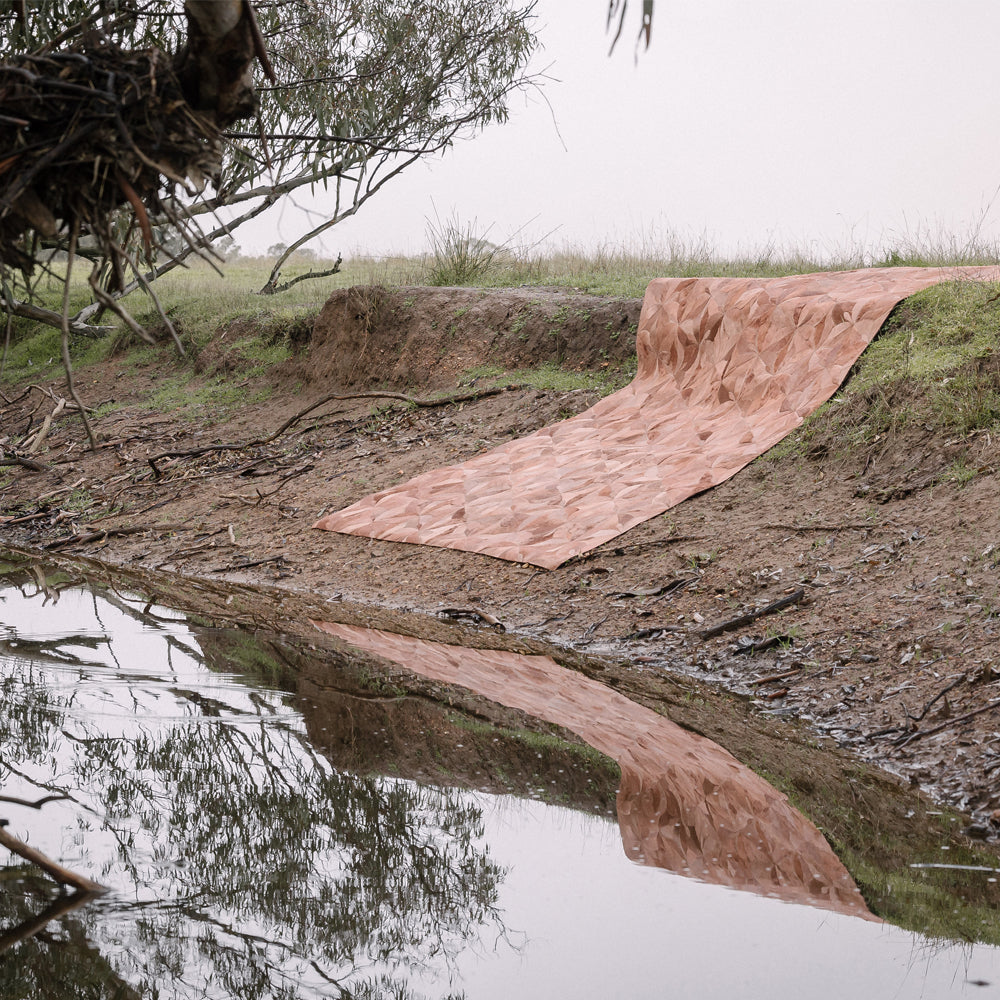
(891, 651)
(683, 804)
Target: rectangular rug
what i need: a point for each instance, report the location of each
(727, 368)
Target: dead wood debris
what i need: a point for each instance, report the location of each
(771, 678)
(87, 131)
(85, 537)
(755, 646)
(752, 616)
(462, 397)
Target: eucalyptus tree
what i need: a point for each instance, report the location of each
(617, 12)
(337, 95)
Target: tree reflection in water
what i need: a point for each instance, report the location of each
(243, 864)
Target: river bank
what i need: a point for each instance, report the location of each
(209, 476)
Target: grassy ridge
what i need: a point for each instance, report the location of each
(944, 342)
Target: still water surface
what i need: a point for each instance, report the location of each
(242, 864)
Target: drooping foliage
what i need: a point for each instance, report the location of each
(360, 91)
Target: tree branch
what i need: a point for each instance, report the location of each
(62, 875)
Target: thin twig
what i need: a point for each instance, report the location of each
(461, 397)
(84, 538)
(771, 678)
(612, 549)
(921, 733)
(954, 684)
(816, 527)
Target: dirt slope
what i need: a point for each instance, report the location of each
(893, 647)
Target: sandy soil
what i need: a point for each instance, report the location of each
(892, 647)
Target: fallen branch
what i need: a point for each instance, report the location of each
(753, 648)
(25, 517)
(771, 678)
(62, 875)
(954, 684)
(752, 616)
(39, 438)
(612, 549)
(249, 565)
(461, 397)
(816, 527)
(83, 538)
(654, 632)
(921, 733)
(27, 463)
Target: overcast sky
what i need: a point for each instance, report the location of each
(801, 123)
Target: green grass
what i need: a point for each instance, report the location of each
(935, 332)
(181, 395)
(936, 362)
(935, 365)
(551, 376)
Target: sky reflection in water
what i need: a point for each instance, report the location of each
(243, 865)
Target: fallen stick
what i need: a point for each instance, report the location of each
(84, 538)
(771, 678)
(62, 875)
(752, 616)
(753, 648)
(25, 517)
(36, 444)
(609, 549)
(951, 687)
(816, 527)
(921, 733)
(27, 463)
(248, 565)
(461, 397)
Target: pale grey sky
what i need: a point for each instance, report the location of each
(793, 122)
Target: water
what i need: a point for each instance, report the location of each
(243, 864)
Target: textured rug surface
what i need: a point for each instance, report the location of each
(727, 368)
(684, 802)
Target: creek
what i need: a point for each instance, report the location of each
(252, 851)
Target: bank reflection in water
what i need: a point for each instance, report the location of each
(685, 804)
(242, 864)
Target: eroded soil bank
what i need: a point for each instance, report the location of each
(893, 649)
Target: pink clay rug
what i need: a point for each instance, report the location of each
(727, 368)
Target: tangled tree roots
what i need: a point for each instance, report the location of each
(86, 132)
